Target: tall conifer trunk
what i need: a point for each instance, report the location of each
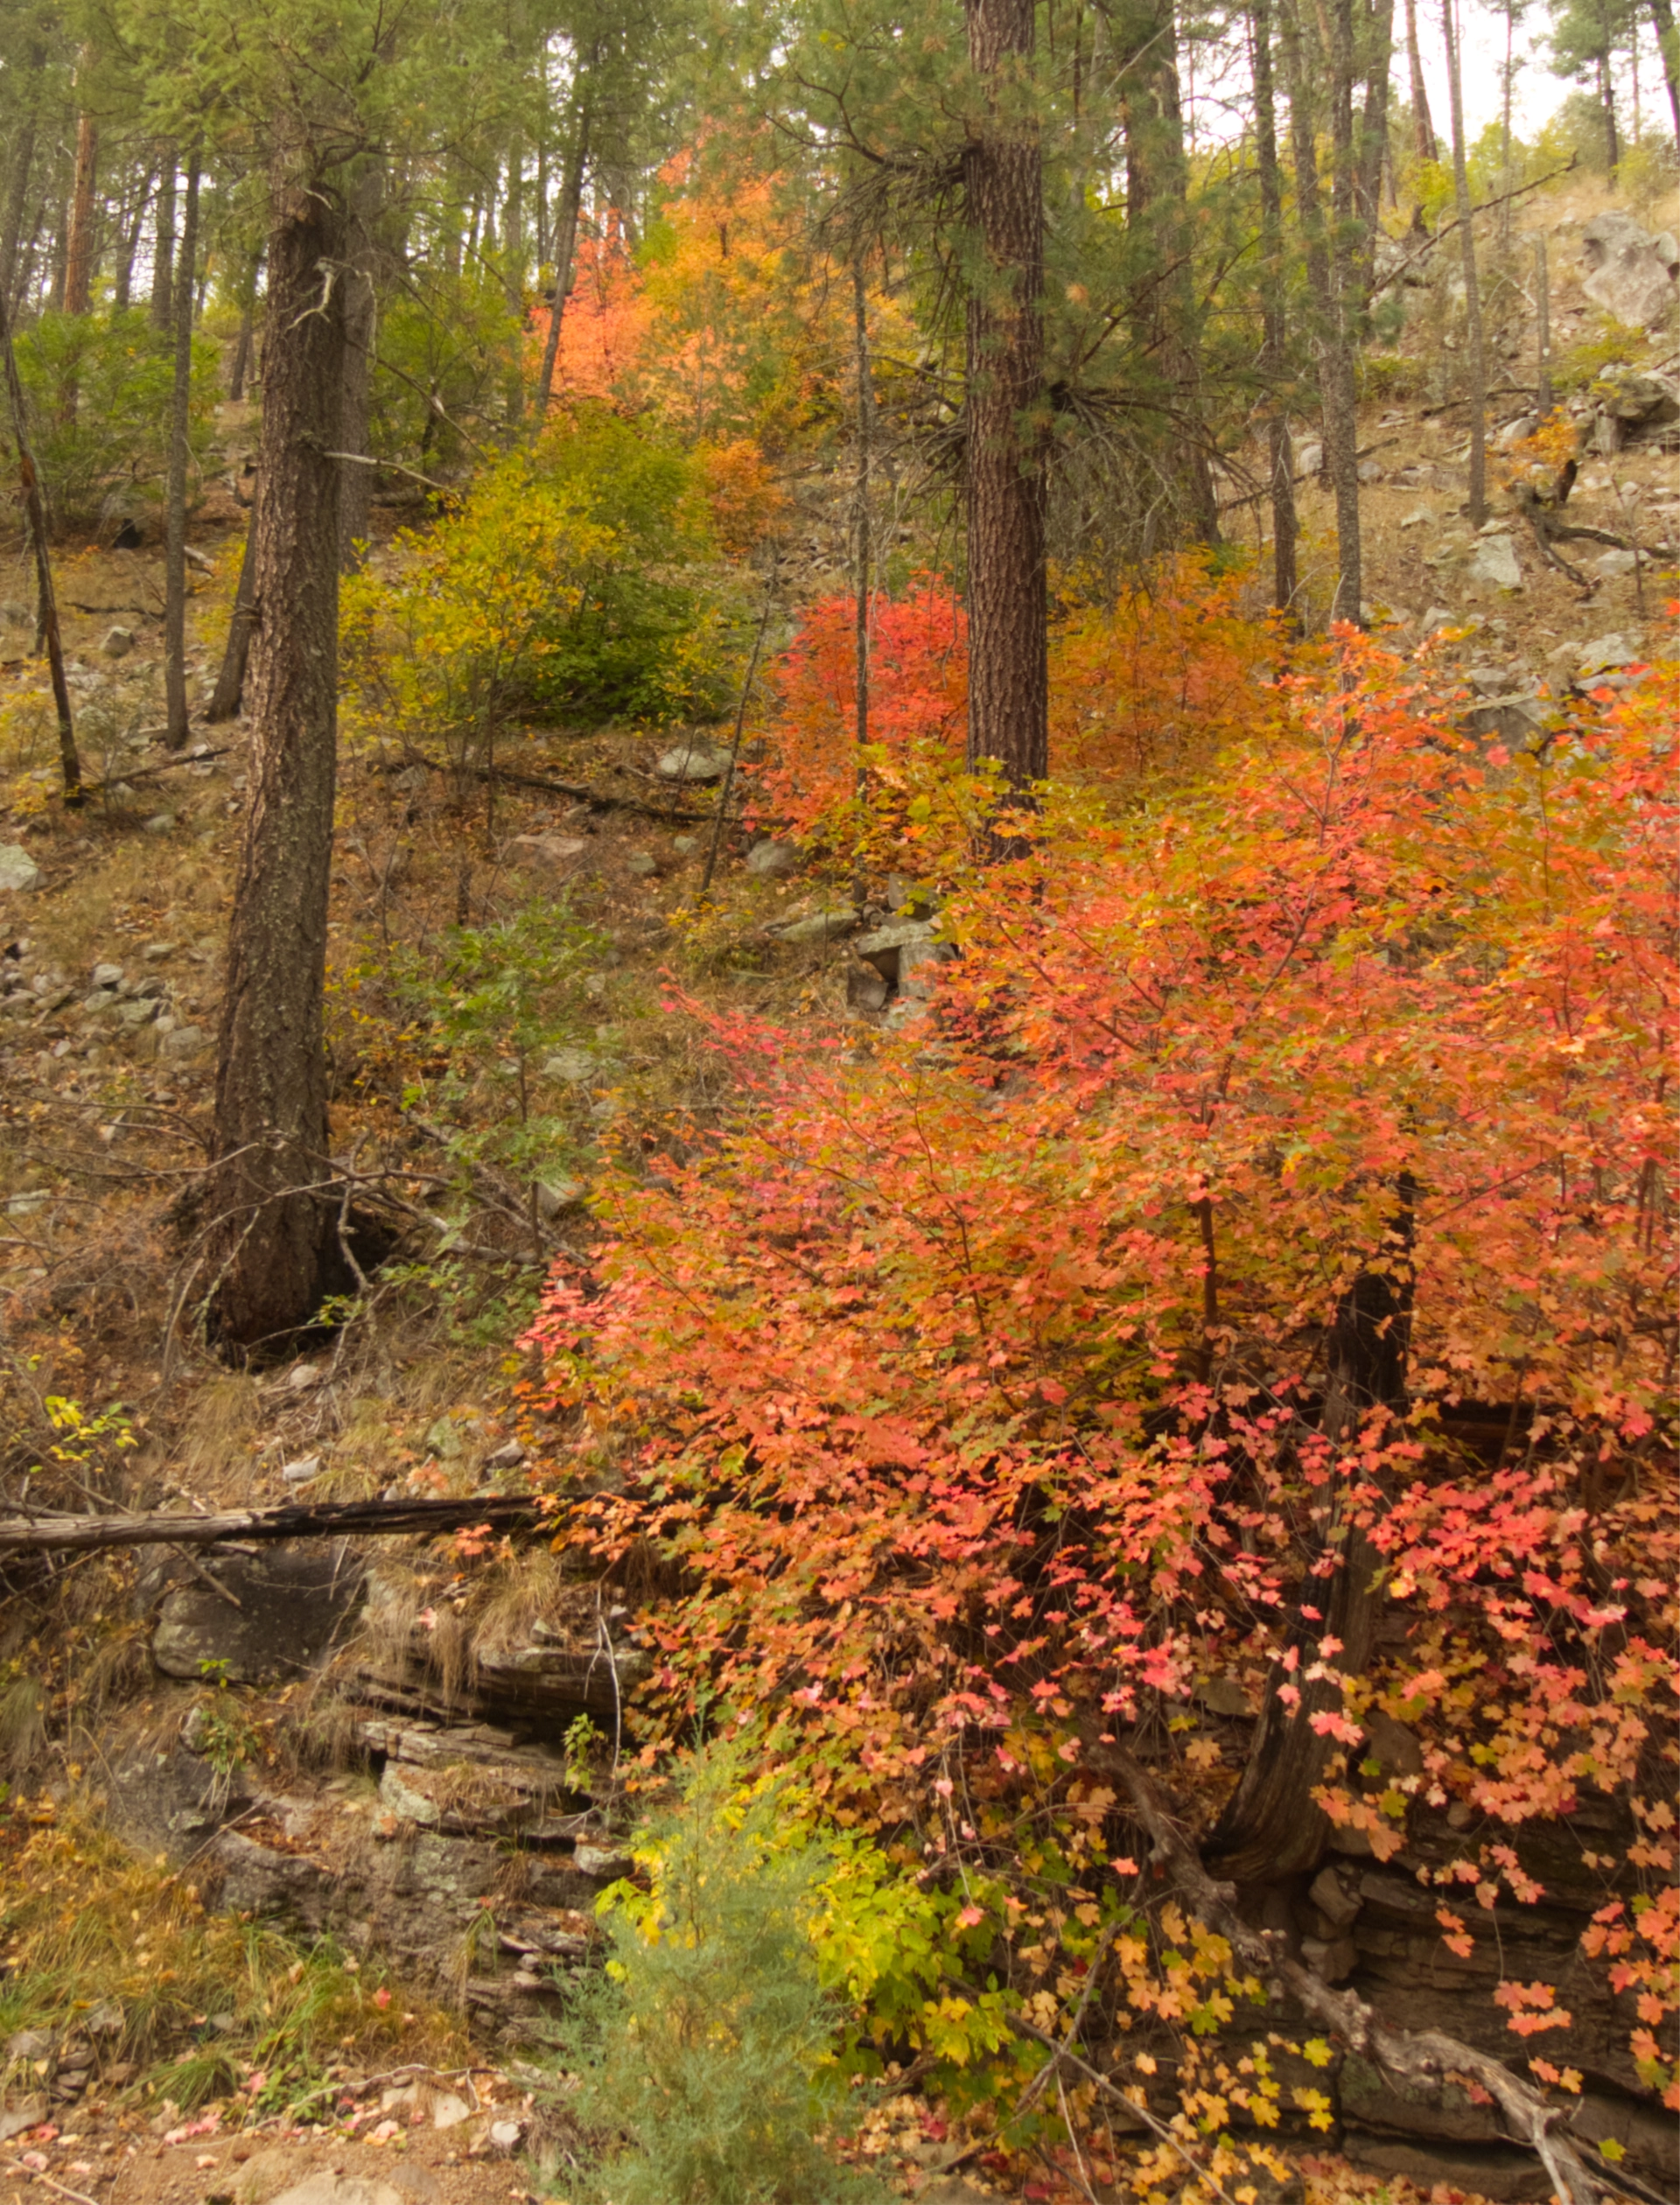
(1003, 187)
(272, 1229)
(1274, 292)
(176, 711)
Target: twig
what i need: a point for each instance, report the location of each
(33, 2174)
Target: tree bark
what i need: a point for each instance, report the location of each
(47, 602)
(1607, 100)
(1422, 130)
(1373, 134)
(268, 1244)
(230, 680)
(1341, 400)
(175, 706)
(1668, 45)
(566, 249)
(23, 159)
(1272, 1827)
(1274, 290)
(361, 322)
(1005, 404)
(1157, 179)
(1476, 354)
(1332, 342)
(81, 255)
(163, 245)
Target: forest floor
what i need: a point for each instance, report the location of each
(102, 1122)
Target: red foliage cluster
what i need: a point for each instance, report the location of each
(974, 1377)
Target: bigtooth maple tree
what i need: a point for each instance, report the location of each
(986, 1386)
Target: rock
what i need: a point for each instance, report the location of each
(1502, 2173)
(18, 868)
(328, 2189)
(104, 2020)
(1637, 405)
(772, 859)
(695, 762)
(505, 2135)
(303, 1471)
(1614, 563)
(155, 952)
(1494, 563)
(1514, 431)
(685, 845)
(1332, 1959)
(1332, 1899)
(551, 853)
(28, 2113)
(1516, 719)
(137, 1012)
(1437, 617)
(161, 824)
(1224, 1696)
(26, 1205)
(553, 1197)
(643, 863)
(865, 989)
(1394, 1749)
(28, 2044)
(117, 642)
(185, 1041)
(1629, 273)
(1604, 653)
(818, 926)
(1420, 517)
(292, 1605)
(507, 1456)
(575, 1066)
(1310, 458)
(1370, 471)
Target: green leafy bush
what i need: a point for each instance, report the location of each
(708, 2050)
(635, 641)
(97, 387)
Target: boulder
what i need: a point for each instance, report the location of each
(18, 868)
(292, 1604)
(818, 926)
(1629, 273)
(772, 859)
(694, 761)
(117, 642)
(544, 853)
(1494, 563)
(643, 863)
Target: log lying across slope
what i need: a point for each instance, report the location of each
(296, 1520)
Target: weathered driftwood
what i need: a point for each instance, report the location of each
(1422, 2058)
(296, 1520)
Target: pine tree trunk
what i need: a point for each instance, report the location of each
(1373, 135)
(163, 246)
(81, 249)
(1476, 354)
(565, 234)
(1608, 97)
(230, 680)
(129, 244)
(1341, 402)
(46, 615)
(1157, 178)
(1422, 130)
(175, 707)
(22, 160)
(1668, 45)
(1274, 290)
(360, 324)
(268, 1248)
(1004, 405)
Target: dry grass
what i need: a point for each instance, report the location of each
(214, 2005)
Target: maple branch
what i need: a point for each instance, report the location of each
(1424, 2056)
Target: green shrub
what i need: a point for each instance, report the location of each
(634, 643)
(97, 387)
(707, 2052)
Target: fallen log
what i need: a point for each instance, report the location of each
(1424, 2057)
(295, 1520)
(597, 799)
